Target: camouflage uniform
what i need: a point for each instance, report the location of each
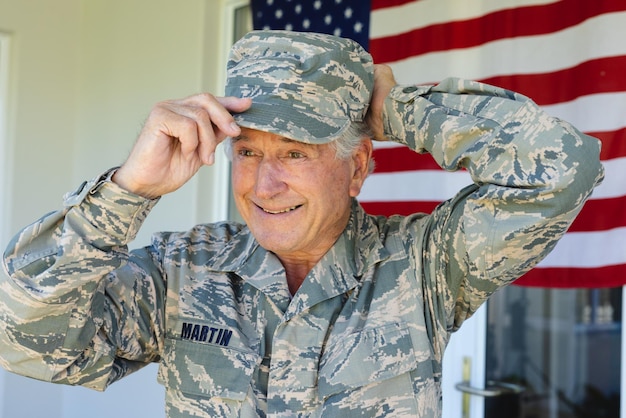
(364, 335)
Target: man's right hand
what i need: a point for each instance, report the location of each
(178, 137)
(384, 81)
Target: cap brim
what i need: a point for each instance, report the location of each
(288, 121)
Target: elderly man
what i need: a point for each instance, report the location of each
(312, 308)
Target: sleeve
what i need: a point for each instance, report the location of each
(531, 175)
(77, 307)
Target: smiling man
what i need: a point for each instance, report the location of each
(312, 307)
(295, 197)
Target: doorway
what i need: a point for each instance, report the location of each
(562, 346)
(538, 353)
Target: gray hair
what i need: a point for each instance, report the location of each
(348, 142)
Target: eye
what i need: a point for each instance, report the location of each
(295, 154)
(245, 153)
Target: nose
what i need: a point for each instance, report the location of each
(270, 178)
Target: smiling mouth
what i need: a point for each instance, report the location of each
(276, 212)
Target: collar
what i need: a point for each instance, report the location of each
(357, 249)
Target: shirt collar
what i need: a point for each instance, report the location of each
(357, 249)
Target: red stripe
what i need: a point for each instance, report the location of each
(383, 4)
(609, 276)
(510, 23)
(389, 160)
(603, 75)
(601, 215)
(613, 143)
(398, 208)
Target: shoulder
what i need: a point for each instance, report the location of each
(211, 240)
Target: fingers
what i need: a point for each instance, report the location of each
(178, 137)
(384, 81)
(235, 104)
(207, 121)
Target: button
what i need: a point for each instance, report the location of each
(409, 89)
(76, 197)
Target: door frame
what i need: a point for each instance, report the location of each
(5, 143)
(4, 154)
(470, 341)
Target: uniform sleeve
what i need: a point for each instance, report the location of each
(531, 175)
(76, 307)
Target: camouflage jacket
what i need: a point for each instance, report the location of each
(364, 335)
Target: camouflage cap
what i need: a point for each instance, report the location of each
(304, 86)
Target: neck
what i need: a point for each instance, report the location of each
(298, 264)
(296, 273)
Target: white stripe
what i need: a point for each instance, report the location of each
(594, 113)
(437, 186)
(387, 144)
(423, 13)
(427, 185)
(599, 37)
(588, 249)
(614, 184)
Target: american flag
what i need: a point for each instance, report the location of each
(568, 55)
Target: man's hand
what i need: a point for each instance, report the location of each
(178, 137)
(383, 83)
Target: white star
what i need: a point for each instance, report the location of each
(288, 26)
(306, 23)
(278, 13)
(270, 2)
(328, 19)
(337, 31)
(348, 13)
(298, 8)
(358, 27)
(317, 5)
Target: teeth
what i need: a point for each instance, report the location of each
(280, 211)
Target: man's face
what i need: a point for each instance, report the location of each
(295, 197)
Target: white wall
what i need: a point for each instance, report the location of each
(83, 76)
(43, 101)
(41, 119)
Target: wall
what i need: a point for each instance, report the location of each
(41, 119)
(84, 75)
(43, 101)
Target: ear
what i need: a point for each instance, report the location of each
(360, 169)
